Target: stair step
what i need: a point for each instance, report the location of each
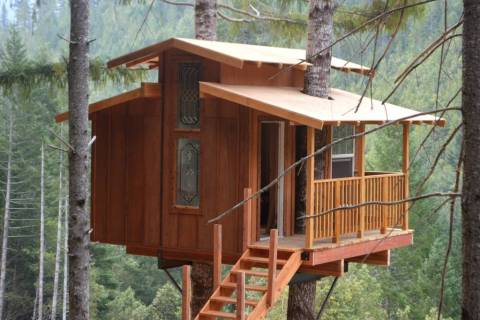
(215, 313)
(252, 273)
(230, 300)
(248, 287)
(264, 260)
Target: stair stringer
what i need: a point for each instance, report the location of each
(281, 281)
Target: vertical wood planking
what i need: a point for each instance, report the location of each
(186, 292)
(309, 223)
(272, 266)
(217, 255)
(385, 210)
(336, 237)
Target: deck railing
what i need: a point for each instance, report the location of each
(334, 193)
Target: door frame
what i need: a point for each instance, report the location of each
(281, 167)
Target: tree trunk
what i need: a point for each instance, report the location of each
(65, 262)
(206, 19)
(301, 296)
(6, 216)
(79, 224)
(202, 274)
(58, 250)
(202, 286)
(471, 168)
(42, 236)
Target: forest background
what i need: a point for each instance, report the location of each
(130, 287)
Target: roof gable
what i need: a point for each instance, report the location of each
(234, 54)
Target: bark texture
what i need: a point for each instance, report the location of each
(301, 301)
(320, 30)
(202, 286)
(301, 296)
(79, 225)
(65, 263)
(206, 19)
(6, 217)
(471, 169)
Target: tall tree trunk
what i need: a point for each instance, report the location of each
(301, 296)
(42, 236)
(202, 274)
(58, 250)
(471, 168)
(65, 262)
(206, 19)
(6, 215)
(79, 224)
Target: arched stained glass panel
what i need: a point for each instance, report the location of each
(188, 107)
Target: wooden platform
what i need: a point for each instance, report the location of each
(324, 251)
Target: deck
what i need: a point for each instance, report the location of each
(350, 247)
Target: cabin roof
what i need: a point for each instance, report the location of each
(291, 104)
(234, 54)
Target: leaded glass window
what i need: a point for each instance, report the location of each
(188, 154)
(188, 105)
(344, 147)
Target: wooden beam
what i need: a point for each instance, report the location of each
(217, 255)
(240, 295)
(360, 157)
(381, 258)
(272, 266)
(186, 292)
(146, 90)
(334, 268)
(405, 169)
(247, 219)
(310, 169)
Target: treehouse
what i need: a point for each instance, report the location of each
(219, 125)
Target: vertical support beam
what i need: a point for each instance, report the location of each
(405, 169)
(247, 219)
(337, 214)
(272, 266)
(217, 255)
(240, 296)
(360, 159)
(186, 292)
(309, 199)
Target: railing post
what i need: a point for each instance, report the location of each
(186, 293)
(240, 295)
(272, 266)
(337, 215)
(310, 167)
(385, 197)
(405, 165)
(247, 219)
(217, 255)
(361, 173)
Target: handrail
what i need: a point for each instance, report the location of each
(334, 193)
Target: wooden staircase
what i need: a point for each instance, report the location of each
(259, 275)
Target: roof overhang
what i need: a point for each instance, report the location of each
(146, 90)
(233, 54)
(291, 104)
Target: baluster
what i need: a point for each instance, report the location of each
(272, 266)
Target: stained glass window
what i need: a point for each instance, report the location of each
(188, 106)
(188, 154)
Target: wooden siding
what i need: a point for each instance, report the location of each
(126, 174)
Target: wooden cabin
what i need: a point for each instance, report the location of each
(218, 126)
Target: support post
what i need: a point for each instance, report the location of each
(240, 296)
(309, 199)
(405, 169)
(217, 255)
(336, 237)
(272, 266)
(384, 208)
(186, 292)
(361, 174)
(247, 219)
